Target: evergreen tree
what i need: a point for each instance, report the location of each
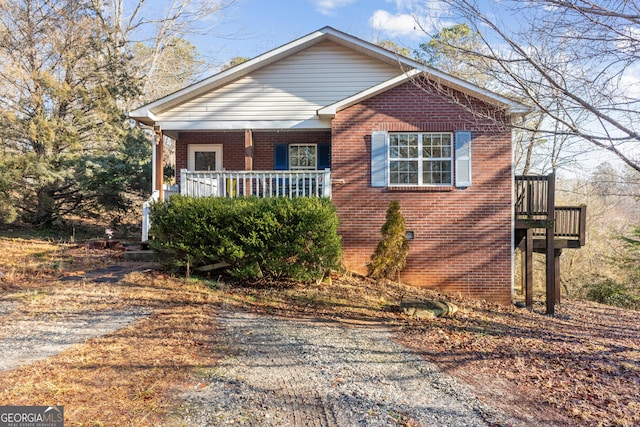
(63, 89)
(390, 255)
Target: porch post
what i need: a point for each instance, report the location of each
(550, 249)
(248, 150)
(183, 182)
(558, 283)
(159, 161)
(248, 159)
(326, 183)
(527, 273)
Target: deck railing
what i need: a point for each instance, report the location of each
(256, 183)
(533, 200)
(570, 223)
(532, 196)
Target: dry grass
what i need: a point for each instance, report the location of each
(580, 367)
(124, 378)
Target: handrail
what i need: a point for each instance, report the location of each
(570, 223)
(146, 222)
(288, 183)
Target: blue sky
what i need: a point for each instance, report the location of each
(266, 24)
(257, 26)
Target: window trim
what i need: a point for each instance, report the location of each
(420, 159)
(303, 168)
(193, 148)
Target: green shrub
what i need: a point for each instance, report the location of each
(274, 237)
(390, 255)
(608, 291)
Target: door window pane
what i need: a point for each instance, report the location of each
(205, 160)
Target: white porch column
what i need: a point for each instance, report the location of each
(326, 183)
(158, 161)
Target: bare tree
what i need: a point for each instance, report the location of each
(161, 30)
(574, 61)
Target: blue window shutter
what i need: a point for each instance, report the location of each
(463, 159)
(379, 159)
(280, 157)
(324, 156)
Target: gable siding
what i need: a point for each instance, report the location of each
(462, 235)
(291, 89)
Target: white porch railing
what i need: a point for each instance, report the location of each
(256, 183)
(146, 223)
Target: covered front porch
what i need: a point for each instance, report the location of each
(243, 163)
(234, 184)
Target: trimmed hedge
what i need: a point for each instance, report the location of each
(274, 237)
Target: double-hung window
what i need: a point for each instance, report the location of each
(315, 156)
(303, 156)
(425, 159)
(420, 159)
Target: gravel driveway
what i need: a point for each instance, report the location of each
(30, 340)
(283, 372)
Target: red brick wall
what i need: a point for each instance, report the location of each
(232, 152)
(264, 141)
(233, 146)
(462, 235)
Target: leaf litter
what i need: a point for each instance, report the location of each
(581, 366)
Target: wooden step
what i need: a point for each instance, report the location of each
(139, 255)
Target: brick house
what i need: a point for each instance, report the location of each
(332, 115)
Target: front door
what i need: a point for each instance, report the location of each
(204, 157)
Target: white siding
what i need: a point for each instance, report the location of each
(291, 89)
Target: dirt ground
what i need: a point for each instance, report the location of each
(579, 367)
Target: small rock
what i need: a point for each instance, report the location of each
(428, 309)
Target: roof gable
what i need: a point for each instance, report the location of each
(284, 61)
(293, 88)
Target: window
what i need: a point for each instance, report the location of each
(204, 157)
(409, 159)
(303, 157)
(420, 159)
(307, 156)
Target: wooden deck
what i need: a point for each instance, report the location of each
(542, 227)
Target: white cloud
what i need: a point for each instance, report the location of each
(396, 25)
(327, 7)
(402, 23)
(630, 81)
(405, 5)
(628, 40)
